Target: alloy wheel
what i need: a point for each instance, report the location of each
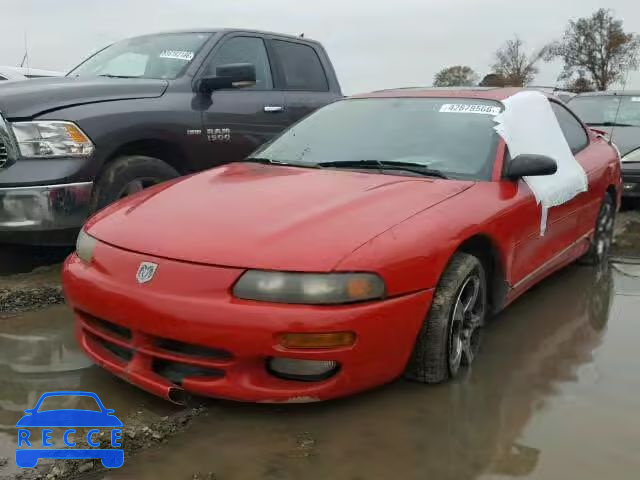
(466, 322)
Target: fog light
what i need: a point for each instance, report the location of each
(24, 209)
(317, 340)
(304, 370)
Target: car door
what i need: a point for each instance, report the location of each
(535, 254)
(237, 121)
(301, 75)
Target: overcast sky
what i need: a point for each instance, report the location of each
(374, 44)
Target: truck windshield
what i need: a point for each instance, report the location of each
(163, 56)
(608, 109)
(453, 137)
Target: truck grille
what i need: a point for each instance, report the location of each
(3, 154)
(8, 149)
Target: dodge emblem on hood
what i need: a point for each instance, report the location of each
(146, 271)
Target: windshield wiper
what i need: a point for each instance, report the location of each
(108, 75)
(270, 161)
(609, 124)
(385, 165)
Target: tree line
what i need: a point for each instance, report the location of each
(596, 52)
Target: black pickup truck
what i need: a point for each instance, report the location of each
(142, 111)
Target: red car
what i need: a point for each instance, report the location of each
(369, 241)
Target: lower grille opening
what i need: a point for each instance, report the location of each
(117, 330)
(177, 372)
(193, 350)
(120, 352)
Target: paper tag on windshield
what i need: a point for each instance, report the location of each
(177, 55)
(635, 99)
(466, 108)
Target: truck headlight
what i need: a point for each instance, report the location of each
(309, 288)
(633, 156)
(42, 139)
(85, 245)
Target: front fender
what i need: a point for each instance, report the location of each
(116, 124)
(412, 256)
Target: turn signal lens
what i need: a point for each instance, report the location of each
(75, 134)
(317, 340)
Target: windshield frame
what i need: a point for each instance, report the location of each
(492, 158)
(181, 73)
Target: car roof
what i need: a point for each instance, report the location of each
(484, 93)
(230, 30)
(609, 93)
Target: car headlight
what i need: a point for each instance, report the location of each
(309, 288)
(633, 156)
(42, 139)
(85, 245)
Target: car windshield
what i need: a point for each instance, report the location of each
(454, 137)
(82, 402)
(608, 109)
(163, 56)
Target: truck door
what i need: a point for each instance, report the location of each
(300, 73)
(237, 121)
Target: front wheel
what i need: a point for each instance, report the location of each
(451, 333)
(128, 175)
(598, 253)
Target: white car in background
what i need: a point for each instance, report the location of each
(20, 73)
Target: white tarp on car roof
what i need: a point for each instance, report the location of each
(529, 126)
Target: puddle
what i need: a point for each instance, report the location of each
(554, 394)
(38, 354)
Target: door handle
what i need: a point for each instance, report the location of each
(273, 108)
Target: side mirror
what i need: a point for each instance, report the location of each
(233, 75)
(529, 165)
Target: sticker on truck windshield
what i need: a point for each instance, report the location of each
(177, 55)
(635, 99)
(466, 108)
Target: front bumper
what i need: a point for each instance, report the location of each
(631, 180)
(44, 208)
(185, 330)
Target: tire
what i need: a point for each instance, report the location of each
(127, 175)
(437, 355)
(598, 253)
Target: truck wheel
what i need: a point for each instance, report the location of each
(451, 333)
(598, 254)
(127, 175)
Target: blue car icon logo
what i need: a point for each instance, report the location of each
(69, 419)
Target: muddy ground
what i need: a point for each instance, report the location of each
(555, 394)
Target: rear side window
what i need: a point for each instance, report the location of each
(301, 67)
(2, 78)
(244, 50)
(573, 131)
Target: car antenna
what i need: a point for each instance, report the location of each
(615, 120)
(25, 58)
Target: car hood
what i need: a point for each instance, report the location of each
(269, 217)
(626, 139)
(27, 99)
